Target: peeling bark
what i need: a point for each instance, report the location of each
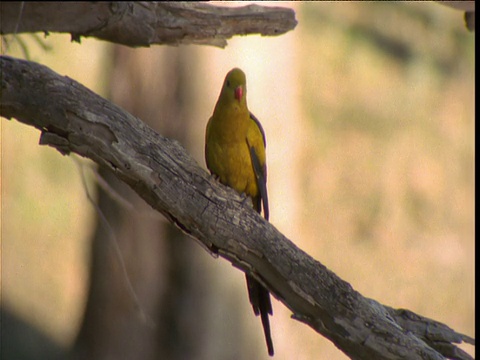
(146, 23)
(71, 118)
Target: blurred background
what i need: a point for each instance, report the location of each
(368, 109)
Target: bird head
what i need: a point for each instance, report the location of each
(235, 85)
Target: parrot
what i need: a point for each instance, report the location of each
(235, 155)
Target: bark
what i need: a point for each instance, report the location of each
(162, 263)
(71, 118)
(146, 23)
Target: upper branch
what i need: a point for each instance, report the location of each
(71, 118)
(146, 23)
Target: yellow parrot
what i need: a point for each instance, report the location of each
(235, 154)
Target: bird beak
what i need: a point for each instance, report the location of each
(238, 93)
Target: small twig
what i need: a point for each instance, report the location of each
(40, 42)
(23, 46)
(111, 234)
(164, 175)
(120, 199)
(19, 18)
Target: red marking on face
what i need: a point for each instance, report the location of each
(238, 93)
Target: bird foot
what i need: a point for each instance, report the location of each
(214, 176)
(244, 198)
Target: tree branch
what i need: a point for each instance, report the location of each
(146, 23)
(71, 118)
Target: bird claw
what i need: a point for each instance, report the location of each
(244, 198)
(214, 176)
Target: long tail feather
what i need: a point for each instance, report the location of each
(260, 300)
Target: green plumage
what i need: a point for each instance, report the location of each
(235, 153)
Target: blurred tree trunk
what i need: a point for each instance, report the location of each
(155, 85)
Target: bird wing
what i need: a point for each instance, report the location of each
(254, 118)
(260, 171)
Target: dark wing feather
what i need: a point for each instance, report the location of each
(258, 295)
(254, 118)
(261, 181)
(260, 171)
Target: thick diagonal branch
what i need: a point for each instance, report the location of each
(71, 118)
(146, 23)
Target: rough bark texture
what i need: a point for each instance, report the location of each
(74, 119)
(162, 262)
(146, 23)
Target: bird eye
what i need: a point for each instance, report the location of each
(228, 83)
